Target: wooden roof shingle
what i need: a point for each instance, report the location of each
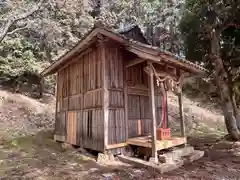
(141, 49)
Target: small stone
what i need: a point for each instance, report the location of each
(105, 158)
(93, 170)
(66, 146)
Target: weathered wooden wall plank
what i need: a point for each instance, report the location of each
(80, 98)
(114, 72)
(71, 128)
(60, 127)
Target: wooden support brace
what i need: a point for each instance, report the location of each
(114, 146)
(134, 62)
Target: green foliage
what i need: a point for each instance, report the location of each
(17, 57)
(54, 29)
(59, 25)
(162, 14)
(200, 18)
(142, 12)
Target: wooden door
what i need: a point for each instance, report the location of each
(139, 121)
(72, 128)
(146, 122)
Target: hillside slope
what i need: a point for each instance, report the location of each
(20, 114)
(199, 117)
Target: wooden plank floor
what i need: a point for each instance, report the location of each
(145, 141)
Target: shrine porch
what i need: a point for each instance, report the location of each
(146, 141)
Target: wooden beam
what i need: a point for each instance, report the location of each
(167, 118)
(160, 73)
(105, 93)
(182, 124)
(125, 103)
(114, 146)
(143, 54)
(134, 62)
(139, 127)
(183, 65)
(56, 96)
(164, 74)
(82, 102)
(153, 112)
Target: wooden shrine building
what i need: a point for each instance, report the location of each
(110, 91)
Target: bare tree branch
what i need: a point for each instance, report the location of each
(17, 29)
(13, 19)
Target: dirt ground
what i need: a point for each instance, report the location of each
(26, 155)
(39, 157)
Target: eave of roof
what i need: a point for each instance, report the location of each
(155, 53)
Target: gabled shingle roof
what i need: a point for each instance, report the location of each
(139, 48)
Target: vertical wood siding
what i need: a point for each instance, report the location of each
(60, 124)
(80, 98)
(71, 127)
(79, 95)
(92, 127)
(114, 73)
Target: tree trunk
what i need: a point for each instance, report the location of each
(221, 79)
(236, 111)
(233, 98)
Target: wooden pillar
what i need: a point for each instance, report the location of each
(105, 92)
(57, 104)
(182, 124)
(153, 113)
(167, 110)
(126, 103)
(82, 103)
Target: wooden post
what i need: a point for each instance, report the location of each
(182, 124)
(126, 103)
(105, 91)
(153, 113)
(82, 101)
(167, 110)
(57, 107)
